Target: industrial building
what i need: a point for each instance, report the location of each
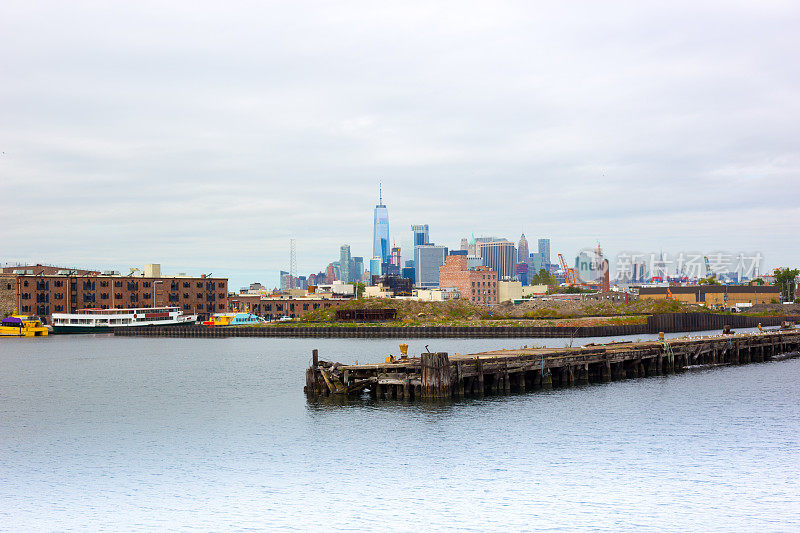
(45, 294)
(476, 284)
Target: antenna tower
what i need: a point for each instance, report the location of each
(292, 263)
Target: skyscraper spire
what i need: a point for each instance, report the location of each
(380, 231)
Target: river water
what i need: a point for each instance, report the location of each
(121, 434)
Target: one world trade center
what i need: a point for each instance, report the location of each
(380, 242)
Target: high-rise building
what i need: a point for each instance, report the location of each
(375, 266)
(427, 260)
(536, 263)
(357, 269)
(344, 262)
(544, 249)
(396, 256)
(380, 232)
(522, 250)
(421, 236)
(499, 256)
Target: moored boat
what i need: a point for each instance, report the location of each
(22, 326)
(233, 319)
(104, 320)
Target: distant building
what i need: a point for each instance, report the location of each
(427, 260)
(536, 262)
(344, 262)
(286, 280)
(330, 273)
(380, 231)
(544, 250)
(409, 273)
(522, 250)
(521, 273)
(396, 256)
(420, 234)
(477, 284)
(357, 268)
(500, 256)
(375, 266)
(388, 269)
(395, 285)
(474, 261)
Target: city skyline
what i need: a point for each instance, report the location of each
(634, 125)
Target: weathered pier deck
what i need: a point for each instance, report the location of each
(443, 375)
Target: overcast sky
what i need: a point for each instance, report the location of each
(203, 136)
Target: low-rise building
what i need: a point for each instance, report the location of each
(441, 294)
(274, 307)
(476, 284)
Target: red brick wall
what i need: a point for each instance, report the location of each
(45, 295)
(478, 285)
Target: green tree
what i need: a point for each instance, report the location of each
(785, 280)
(359, 287)
(708, 281)
(543, 277)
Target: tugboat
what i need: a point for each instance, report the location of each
(22, 326)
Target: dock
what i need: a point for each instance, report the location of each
(444, 375)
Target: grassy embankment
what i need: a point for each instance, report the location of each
(534, 313)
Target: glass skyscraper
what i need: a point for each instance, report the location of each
(344, 263)
(544, 249)
(380, 242)
(420, 232)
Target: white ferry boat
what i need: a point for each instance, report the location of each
(103, 320)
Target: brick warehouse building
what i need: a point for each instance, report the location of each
(273, 308)
(476, 284)
(43, 295)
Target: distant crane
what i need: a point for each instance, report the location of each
(570, 275)
(708, 267)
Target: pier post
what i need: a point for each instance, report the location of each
(583, 373)
(605, 371)
(459, 390)
(547, 379)
(436, 375)
(522, 381)
(479, 367)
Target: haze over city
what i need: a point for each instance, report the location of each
(204, 137)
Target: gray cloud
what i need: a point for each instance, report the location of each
(203, 136)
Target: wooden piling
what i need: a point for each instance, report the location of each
(435, 375)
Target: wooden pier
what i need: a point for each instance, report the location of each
(442, 375)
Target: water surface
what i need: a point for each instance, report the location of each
(105, 433)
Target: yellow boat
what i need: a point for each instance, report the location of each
(22, 326)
